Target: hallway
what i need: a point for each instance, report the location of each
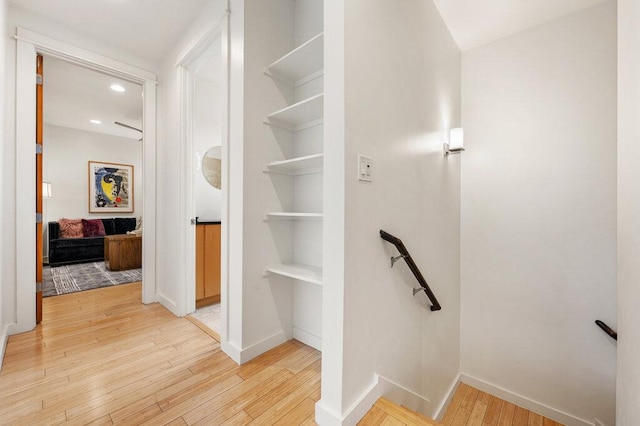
(101, 356)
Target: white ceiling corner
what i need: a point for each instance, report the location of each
(473, 23)
(146, 28)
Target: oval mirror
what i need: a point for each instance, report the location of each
(212, 166)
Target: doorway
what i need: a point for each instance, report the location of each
(29, 44)
(92, 173)
(204, 122)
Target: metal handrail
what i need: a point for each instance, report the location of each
(404, 254)
(607, 329)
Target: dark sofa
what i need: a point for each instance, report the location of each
(66, 251)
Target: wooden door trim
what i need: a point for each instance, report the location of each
(39, 166)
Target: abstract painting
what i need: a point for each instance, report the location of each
(110, 187)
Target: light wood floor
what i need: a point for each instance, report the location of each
(101, 357)
(469, 407)
(472, 407)
(386, 413)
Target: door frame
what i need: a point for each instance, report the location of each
(29, 44)
(215, 38)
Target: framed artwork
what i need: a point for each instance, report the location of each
(110, 187)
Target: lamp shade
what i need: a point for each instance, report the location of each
(456, 138)
(46, 190)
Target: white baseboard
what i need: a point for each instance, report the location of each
(250, 352)
(401, 395)
(232, 351)
(381, 387)
(4, 337)
(168, 303)
(363, 404)
(327, 417)
(15, 328)
(307, 338)
(524, 402)
(446, 401)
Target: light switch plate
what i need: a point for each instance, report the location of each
(364, 168)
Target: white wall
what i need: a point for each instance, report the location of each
(538, 220)
(168, 247)
(207, 134)
(628, 392)
(334, 219)
(66, 155)
(267, 304)
(5, 305)
(402, 95)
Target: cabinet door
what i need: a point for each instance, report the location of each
(200, 256)
(212, 261)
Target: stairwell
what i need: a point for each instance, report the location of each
(469, 407)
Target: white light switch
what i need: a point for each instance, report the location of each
(364, 168)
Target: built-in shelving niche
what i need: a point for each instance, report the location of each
(301, 70)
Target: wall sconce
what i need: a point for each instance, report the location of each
(46, 190)
(456, 142)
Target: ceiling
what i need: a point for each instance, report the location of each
(74, 95)
(473, 23)
(150, 28)
(147, 28)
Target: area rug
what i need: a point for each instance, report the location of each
(84, 276)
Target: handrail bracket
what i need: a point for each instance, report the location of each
(396, 258)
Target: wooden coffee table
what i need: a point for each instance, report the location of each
(122, 252)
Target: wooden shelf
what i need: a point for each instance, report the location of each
(301, 115)
(310, 274)
(302, 64)
(293, 216)
(297, 166)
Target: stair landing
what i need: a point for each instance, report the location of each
(386, 413)
(469, 407)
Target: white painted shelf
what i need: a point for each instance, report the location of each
(301, 115)
(310, 274)
(297, 166)
(293, 216)
(301, 64)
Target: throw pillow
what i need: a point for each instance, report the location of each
(70, 228)
(109, 226)
(125, 224)
(92, 228)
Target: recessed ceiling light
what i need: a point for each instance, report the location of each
(117, 88)
(96, 121)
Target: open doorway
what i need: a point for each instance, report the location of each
(29, 45)
(92, 173)
(206, 123)
(204, 89)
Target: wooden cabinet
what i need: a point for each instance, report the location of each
(207, 264)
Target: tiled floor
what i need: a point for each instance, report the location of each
(209, 316)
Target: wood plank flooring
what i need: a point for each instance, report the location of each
(102, 357)
(469, 407)
(472, 407)
(387, 413)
